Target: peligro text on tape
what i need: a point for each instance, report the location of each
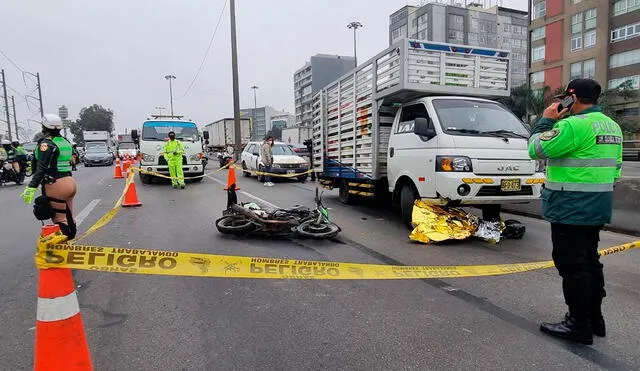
(52, 254)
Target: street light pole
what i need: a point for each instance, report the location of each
(255, 102)
(355, 25)
(15, 118)
(234, 72)
(170, 77)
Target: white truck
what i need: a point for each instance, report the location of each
(413, 122)
(222, 133)
(151, 142)
(101, 138)
(296, 135)
(126, 147)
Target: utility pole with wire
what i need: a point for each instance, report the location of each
(15, 118)
(170, 77)
(40, 94)
(355, 25)
(6, 104)
(234, 72)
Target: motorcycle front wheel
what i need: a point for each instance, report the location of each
(313, 229)
(234, 224)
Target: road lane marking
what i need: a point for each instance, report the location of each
(86, 211)
(101, 180)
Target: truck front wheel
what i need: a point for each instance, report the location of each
(408, 196)
(343, 193)
(145, 178)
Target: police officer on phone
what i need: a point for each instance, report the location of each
(584, 160)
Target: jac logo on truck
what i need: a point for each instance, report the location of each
(508, 167)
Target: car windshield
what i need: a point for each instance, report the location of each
(282, 150)
(127, 146)
(159, 130)
(97, 149)
(472, 117)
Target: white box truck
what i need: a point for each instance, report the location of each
(222, 133)
(296, 135)
(415, 122)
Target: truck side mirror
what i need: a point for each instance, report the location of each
(134, 136)
(205, 135)
(423, 127)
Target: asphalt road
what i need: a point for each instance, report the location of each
(172, 323)
(631, 169)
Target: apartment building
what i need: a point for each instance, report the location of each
(320, 70)
(598, 39)
(468, 23)
(260, 120)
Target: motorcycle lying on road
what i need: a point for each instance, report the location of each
(301, 221)
(8, 174)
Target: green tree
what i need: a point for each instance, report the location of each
(94, 117)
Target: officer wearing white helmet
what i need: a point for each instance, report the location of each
(52, 171)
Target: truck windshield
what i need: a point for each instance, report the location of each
(159, 130)
(477, 118)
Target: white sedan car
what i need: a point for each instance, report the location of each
(285, 161)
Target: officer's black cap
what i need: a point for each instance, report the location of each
(582, 88)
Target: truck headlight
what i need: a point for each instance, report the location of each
(148, 158)
(196, 157)
(453, 164)
(541, 166)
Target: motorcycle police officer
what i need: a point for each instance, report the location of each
(584, 160)
(52, 170)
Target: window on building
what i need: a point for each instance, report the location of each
(590, 16)
(589, 69)
(536, 77)
(590, 39)
(414, 23)
(474, 23)
(507, 28)
(635, 82)
(537, 33)
(455, 35)
(576, 23)
(625, 58)
(539, 10)
(482, 39)
(625, 6)
(576, 71)
(458, 19)
(576, 43)
(537, 53)
(575, 1)
(518, 30)
(625, 32)
(422, 35)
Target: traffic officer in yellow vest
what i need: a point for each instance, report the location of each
(173, 150)
(584, 160)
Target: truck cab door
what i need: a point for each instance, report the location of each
(411, 155)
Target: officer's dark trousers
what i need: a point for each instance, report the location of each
(575, 254)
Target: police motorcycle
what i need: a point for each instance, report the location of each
(300, 221)
(7, 173)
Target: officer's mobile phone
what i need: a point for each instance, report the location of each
(566, 103)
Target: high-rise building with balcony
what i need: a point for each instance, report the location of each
(598, 39)
(320, 70)
(493, 27)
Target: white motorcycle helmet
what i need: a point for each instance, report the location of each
(5, 142)
(52, 121)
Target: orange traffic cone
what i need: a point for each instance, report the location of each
(131, 196)
(231, 178)
(117, 171)
(125, 166)
(61, 343)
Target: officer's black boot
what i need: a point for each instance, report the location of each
(571, 329)
(597, 320)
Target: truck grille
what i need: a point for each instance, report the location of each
(487, 191)
(289, 166)
(162, 161)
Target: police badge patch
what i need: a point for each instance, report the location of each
(550, 134)
(44, 147)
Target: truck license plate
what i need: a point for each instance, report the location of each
(291, 171)
(510, 185)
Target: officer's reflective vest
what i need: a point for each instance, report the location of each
(584, 153)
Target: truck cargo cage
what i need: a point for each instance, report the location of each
(353, 115)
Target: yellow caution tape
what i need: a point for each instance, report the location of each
(53, 254)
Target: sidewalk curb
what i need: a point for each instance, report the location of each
(607, 227)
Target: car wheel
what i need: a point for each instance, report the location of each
(302, 178)
(408, 197)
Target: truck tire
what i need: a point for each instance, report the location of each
(343, 193)
(408, 197)
(302, 178)
(245, 171)
(145, 178)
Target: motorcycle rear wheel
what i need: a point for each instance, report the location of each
(234, 224)
(311, 229)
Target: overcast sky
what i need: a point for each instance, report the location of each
(115, 53)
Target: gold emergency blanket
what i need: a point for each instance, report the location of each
(434, 223)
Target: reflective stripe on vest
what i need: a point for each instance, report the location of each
(64, 154)
(583, 162)
(579, 187)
